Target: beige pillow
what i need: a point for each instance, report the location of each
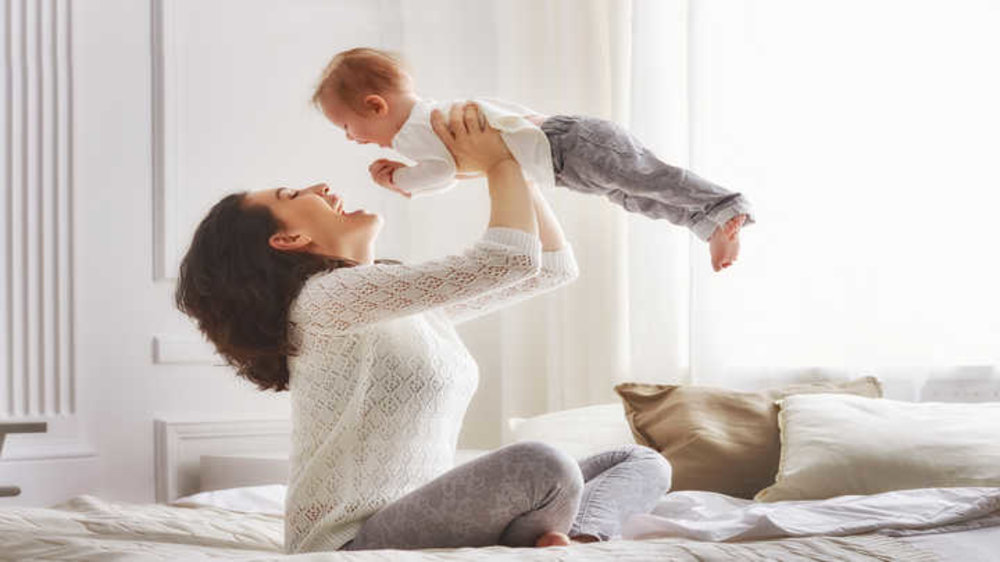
(846, 445)
(716, 439)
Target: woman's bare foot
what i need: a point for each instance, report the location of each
(724, 245)
(553, 538)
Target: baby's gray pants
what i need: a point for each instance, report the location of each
(515, 494)
(593, 155)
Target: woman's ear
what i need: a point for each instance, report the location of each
(376, 104)
(288, 242)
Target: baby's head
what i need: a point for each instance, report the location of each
(363, 91)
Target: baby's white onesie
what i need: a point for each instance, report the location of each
(435, 169)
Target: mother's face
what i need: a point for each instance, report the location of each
(313, 220)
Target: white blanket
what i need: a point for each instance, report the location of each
(716, 517)
(88, 529)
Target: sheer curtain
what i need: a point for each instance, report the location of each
(866, 135)
(862, 132)
(627, 312)
(625, 317)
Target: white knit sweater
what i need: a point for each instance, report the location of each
(381, 381)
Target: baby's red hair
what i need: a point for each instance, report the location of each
(351, 75)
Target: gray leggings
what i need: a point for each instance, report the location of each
(516, 494)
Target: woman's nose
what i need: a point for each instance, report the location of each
(319, 188)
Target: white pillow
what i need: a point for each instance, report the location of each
(580, 431)
(834, 445)
(268, 499)
(463, 456)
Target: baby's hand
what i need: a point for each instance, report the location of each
(382, 170)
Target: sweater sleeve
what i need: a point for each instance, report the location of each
(558, 268)
(348, 298)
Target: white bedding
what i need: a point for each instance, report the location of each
(267, 500)
(976, 545)
(716, 517)
(87, 528)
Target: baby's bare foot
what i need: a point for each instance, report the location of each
(733, 225)
(724, 245)
(552, 538)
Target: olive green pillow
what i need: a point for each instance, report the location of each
(716, 439)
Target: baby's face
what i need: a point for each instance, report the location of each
(372, 127)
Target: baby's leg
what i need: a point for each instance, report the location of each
(618, 484)
(597, 156)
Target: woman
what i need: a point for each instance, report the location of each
(285, 284)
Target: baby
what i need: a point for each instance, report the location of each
(370, 96)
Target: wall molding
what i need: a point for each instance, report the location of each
(37, 377)
(163, 232)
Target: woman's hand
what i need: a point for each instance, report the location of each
(475, 146)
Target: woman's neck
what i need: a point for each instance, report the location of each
(358, 248)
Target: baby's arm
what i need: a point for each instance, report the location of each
(382, 171)
(434, 169)
(426, 176)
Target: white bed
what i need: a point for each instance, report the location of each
(226, 477)
(87, 528)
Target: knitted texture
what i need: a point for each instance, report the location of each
(381, 380)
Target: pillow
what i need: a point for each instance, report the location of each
(581, 432)
(718, 440)
(463, 456)
(269, 499)
(846, 445)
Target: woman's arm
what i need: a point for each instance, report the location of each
(478, 148)
(558, 268)
(549, 230)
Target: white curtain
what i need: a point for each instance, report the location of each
(626, 314)
(862, 132)
(866, 135)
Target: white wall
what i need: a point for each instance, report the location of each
(119, 306)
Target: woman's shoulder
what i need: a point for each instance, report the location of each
(339, 283)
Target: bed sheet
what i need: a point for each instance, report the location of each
(88, 528)
(976, 545)
(716, 517)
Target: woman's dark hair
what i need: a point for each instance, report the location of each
(239, 288)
